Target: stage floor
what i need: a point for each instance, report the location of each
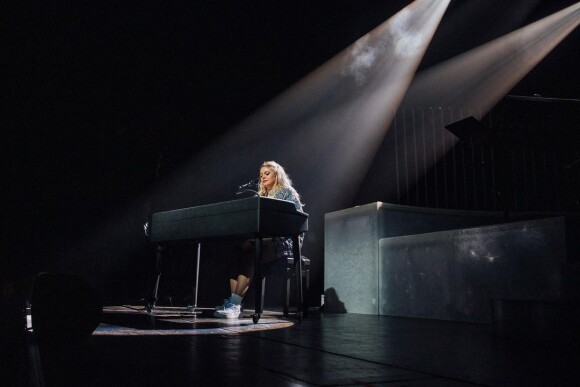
(175, 348)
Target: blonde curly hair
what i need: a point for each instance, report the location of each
(282, 179)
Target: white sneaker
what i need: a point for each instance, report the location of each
(229, 311)
(226, 303)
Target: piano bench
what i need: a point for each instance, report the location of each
(288, 272)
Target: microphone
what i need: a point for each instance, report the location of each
(251, 183)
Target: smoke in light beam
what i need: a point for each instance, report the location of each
(482, 76)
(472, 83)
(326, 129)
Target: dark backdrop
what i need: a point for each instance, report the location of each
(101, 100)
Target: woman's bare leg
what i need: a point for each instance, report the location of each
(233, 284)
(242, 285)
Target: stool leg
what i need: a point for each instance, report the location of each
(305, 293)
(263, 292)
(298, 273)
(286, 292)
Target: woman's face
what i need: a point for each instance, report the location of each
(267, 177)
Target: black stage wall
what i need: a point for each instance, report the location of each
(104, 101)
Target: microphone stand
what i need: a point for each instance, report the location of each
(247, 190)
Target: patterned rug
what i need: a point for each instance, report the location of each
(130, 320)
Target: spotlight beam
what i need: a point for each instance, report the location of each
(325, 131)
(482, 76)
(327, 128)
(472, 83)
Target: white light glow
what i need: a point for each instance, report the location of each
(326, 129)
(482, 76)
(472, 83)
